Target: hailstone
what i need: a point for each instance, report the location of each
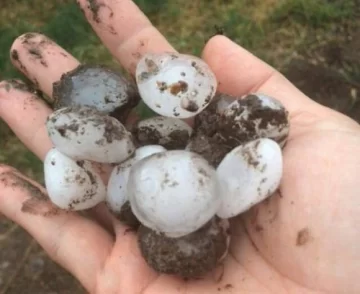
(84, 133)
(249, 174)
(117, 184)
(72, 185)
(174, 192)
(96, 86)
(175, 85)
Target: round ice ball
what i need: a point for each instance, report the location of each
(173, 192)
(175, 85)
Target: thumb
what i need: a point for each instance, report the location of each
(239, 72)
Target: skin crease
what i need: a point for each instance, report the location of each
(303, 239)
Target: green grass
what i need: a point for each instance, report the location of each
(316, 13)
(271, 29)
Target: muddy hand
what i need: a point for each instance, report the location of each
(299, 241)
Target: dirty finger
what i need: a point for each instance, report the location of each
(25, 113)
(41, 60)
(78, 244)
(124, 30)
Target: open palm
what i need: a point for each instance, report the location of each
(304, 239)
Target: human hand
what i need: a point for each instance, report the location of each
(301, 240)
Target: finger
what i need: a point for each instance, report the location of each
(44, 62)
(239, 72)
(77, 244)
(124, 30)
(25, 114)
(41, 60)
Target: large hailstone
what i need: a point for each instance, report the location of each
(84, 133)
(117, 194)
(96, 86)
(249, 174)
(175, 85)
(72, 185)
(173, 192)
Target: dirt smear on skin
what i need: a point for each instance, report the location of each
(38, 202)
(303, 237)
(37, 54)
(27, 86)
(13, 84)
(35, 45)
(95, 6)
(16, 58)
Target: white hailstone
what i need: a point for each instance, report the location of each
(172, 133)
(249, 174)
(175, 85)
(173, 192)
(72, 185)
(116, 195)
(117, 185)
(84, 133)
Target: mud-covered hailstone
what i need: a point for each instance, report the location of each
(84, 133)
(117, 185)
(173, 192)
(72, 185)
(254, 116)
(96, 86)
(175, 85)
(172, 133)
(190, 256)
(249, 174)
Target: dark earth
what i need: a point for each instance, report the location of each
(127, 217)
(329, 73)
(218, 132)
(160, 131)
(190, 256)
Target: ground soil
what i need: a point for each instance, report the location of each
(329, 73)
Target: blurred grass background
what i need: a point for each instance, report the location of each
(273, 30)
(277, 31)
